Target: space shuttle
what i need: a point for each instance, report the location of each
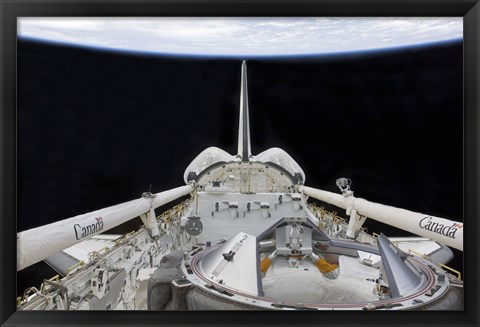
(245, 238)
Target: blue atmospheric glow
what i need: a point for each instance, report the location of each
(243, 37)
(236, 57)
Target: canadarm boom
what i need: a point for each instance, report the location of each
(442, 230)
(38, 243)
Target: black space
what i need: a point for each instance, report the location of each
(98, 128)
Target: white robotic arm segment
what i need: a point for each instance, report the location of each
(38, 243)
(442, 230)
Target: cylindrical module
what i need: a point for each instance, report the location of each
(38, 243)
(442, 230)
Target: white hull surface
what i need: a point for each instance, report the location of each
(116, 269)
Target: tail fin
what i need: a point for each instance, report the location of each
(244, 149)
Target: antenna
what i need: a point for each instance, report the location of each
(149, 193)
(244, 149)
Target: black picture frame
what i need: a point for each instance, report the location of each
(10, 10)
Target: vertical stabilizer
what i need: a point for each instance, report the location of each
(244, 150)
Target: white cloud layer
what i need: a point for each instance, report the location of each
(243, 36)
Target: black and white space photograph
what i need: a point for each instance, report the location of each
(240, 163)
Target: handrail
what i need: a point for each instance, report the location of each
(55, 278)
(422, 255)
(28, 291)
(95, 254)
(80, 263)
(459, 274)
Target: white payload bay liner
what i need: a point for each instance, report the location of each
(306, 284)
(442, 230)
(36, 244)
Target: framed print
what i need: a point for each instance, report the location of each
(180, 163)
